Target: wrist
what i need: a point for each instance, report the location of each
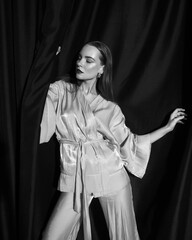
(167, 128)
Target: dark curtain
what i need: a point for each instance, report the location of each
(151, 45)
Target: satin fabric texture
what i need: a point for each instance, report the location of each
(95, 145)
(118, 210)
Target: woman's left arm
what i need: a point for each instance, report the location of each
(177, 116)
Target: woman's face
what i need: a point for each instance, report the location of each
(88, 64)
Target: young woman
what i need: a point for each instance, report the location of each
(95, 148)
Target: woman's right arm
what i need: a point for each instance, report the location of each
(48, 122)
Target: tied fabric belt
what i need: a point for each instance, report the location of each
(80, 183)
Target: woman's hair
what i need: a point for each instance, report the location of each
(104, 83)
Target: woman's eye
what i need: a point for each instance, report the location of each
(89, 60)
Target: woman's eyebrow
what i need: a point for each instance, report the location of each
(86, 57)
(90, 58)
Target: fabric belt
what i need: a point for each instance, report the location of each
(80, 183)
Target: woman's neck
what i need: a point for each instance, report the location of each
(89, 86)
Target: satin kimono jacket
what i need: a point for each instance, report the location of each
(95, 144)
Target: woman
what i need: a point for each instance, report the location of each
(95, 149)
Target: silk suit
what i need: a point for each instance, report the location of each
(95, 146)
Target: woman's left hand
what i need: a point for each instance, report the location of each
(177, 116)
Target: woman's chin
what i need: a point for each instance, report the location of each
(79, 77)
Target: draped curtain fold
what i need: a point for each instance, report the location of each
(150, 44)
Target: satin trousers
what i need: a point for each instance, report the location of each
(118, 210)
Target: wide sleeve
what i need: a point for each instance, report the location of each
(134, 149)
(48, 122)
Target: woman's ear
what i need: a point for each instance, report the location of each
(101, 70)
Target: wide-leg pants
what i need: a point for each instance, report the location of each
(118, 210)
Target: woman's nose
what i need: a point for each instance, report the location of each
(80, 62)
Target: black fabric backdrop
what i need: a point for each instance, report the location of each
(150, 42)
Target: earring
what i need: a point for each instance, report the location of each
(99, 75)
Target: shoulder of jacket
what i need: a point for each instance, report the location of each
(62, 85)
(114, 106)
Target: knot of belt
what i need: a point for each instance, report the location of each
(80, 184)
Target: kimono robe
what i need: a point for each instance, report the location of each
(95, 144)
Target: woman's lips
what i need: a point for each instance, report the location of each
(78, 71)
